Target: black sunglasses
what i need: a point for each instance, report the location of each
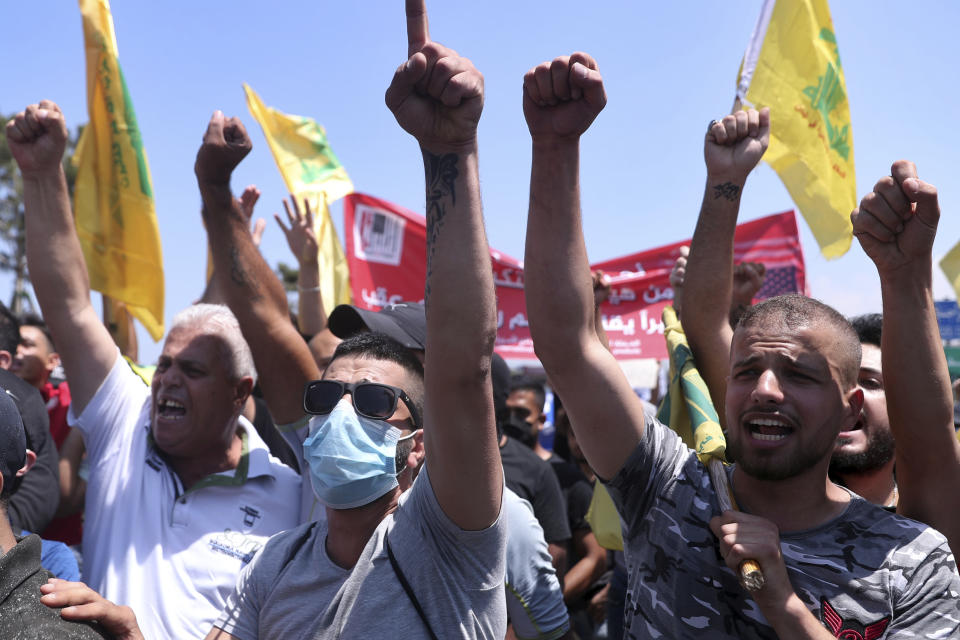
(370, 399)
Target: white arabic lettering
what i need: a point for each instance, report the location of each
(518, 321)
(379, 297)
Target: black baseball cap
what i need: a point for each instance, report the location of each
(13, 442)
(405, 322)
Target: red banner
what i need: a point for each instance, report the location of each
(386, 251)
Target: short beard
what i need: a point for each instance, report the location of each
(879, 451)
(801, 462)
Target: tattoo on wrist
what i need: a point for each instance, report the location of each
(441, 173)
(726, 190)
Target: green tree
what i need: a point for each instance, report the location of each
(13, 256)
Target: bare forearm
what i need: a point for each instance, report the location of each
(793, 621)
(458, 261)
(310, 310)
(246, 281)
(708, 284)
(592, 564)
(559, 290)
(919, 397)
(257, 298)
(57, 268)
(463, 455)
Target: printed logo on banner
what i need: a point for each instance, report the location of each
(378, 235)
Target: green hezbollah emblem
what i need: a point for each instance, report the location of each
(826, 96)
(318, 168)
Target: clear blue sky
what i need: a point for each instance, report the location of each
(669, 68)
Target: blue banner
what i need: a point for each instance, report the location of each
(948, 317)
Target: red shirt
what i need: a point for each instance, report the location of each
(68, 530)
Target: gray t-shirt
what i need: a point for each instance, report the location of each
(292, 589)
(867, 571)
(534, 599)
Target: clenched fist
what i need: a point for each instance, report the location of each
(225, 144)
(37, 137)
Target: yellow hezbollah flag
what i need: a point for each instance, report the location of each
(687, 409)
(113, 198)
(950, 265)
(792, 65)
(310, 170)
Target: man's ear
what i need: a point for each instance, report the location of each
(242, 390)
(53, 361)
(418, 452)
(855, 402)
(30, 461)
(5, 359)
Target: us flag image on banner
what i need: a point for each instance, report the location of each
(778, 282)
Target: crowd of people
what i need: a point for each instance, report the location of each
(360, 474)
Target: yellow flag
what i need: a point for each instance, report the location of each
(792, 65)
(950, 264)
(310, 170)
(113, 197)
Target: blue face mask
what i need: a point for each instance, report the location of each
(352, 458)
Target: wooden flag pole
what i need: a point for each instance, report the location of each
(751, 577)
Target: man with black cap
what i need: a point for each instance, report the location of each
(405, 322)
(524, 472)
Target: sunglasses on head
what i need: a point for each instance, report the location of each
(370, 399)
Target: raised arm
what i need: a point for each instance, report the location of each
(302, 239)
(561, 98)
(896, 225)
(247, 283)
(37, 138)
(732, 148)
(437, 97)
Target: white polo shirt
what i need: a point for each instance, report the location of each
(171, 555)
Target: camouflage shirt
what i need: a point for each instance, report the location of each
(865, 574)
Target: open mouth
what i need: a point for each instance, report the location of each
(768, 429)
(171, 409)
(847, 437)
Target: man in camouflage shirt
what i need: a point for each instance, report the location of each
(835, 566)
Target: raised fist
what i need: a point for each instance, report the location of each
(562, 98)
(225, 144)
(436, 95)
(897, 222)
(37, 137)
(601, 288)
(733, 146)
(748, 279)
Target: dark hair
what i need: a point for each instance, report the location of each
(534, 387)
(869, 328)
(33, 320)
(9, 330)
(379, 346)
(796, 311)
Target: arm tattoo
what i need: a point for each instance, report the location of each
(240, 277)
(726, 190)
(441, 176)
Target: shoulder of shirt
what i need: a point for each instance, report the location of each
(881, 522)
(261, 461)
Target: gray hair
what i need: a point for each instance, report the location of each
(220, 321)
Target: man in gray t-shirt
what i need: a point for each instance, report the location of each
(292, 589)
(376, 415)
